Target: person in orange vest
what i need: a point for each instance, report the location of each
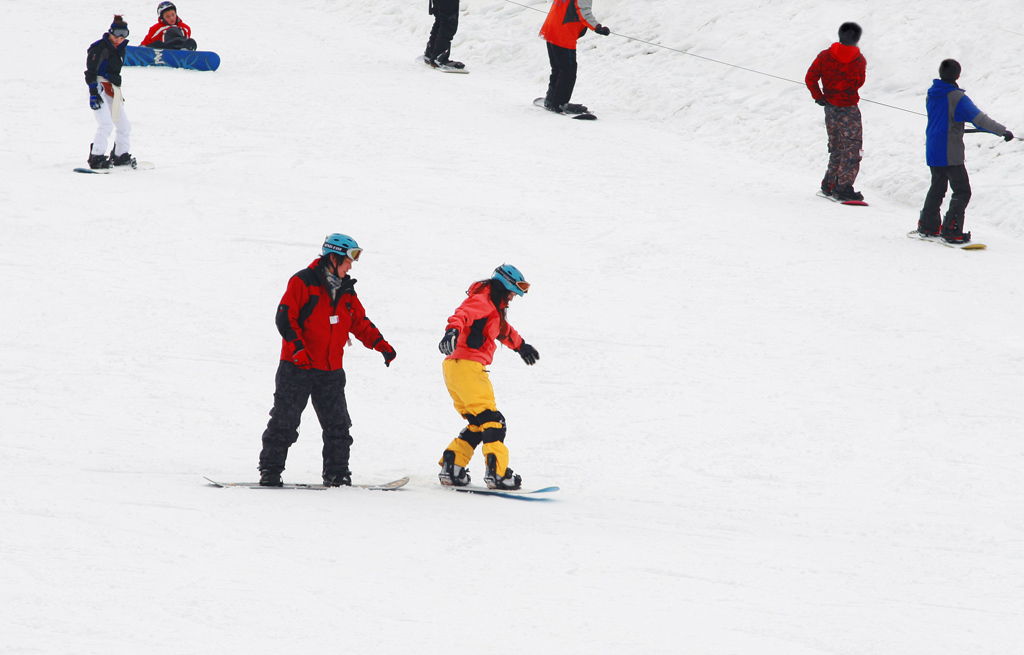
(567, 21)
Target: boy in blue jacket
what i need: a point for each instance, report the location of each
(948, 109)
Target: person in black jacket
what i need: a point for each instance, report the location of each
(103, 75)
(446, 24)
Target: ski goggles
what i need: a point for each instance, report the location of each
(351, 253)
(120, 31)
(522, 285)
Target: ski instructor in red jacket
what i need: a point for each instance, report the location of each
(567, 21)
(316, 315)
(841, 69)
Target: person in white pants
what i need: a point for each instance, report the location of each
(103, 75)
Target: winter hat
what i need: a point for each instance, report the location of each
(849, 33)
(949, 70)
(119, 27)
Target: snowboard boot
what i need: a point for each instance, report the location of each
(846, 194)
(509, 481)
(826, 188)
(125, 159)
(443, 62)
(98, 161)
(451, 474)
(572, 108)
(953, 229)
(929, 226)
(342, 478)
(957, 238)
(270, 478)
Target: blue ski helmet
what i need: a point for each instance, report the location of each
(341, 244)
(513, 280)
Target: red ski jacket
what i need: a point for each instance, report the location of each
(567, 21)
(156, 33)
(308, 318)
(479, 325)
(841, 70)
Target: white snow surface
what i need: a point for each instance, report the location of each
(779, 426)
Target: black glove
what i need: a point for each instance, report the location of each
(821, 101)
(1008, 136)
(528, 353)
(447, 345)
(389, 356)
(602, 30)
(94, 97)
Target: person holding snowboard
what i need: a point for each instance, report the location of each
(170, 32)
(315, 317)
(948, 109)
(841, 69)
(103, 62)
(469, 345)
(567, 21)
(446, 24)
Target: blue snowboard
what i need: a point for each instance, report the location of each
(196, 60)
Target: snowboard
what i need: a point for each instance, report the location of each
(390, 486)
(196, 60)
(441, 69)
(586, 116)
(518, 494)
(139, 166)
(970, 245)
(850, 203)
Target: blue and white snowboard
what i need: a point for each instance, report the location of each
(197, 60)
(518, 494)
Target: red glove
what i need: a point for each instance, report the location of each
(384, 348)
(301, 359)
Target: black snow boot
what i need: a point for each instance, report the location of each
(341, 478)
(270, 479)
(572, 108)
(452, 475)
(122, 160)
(509, 481)
(98, 161)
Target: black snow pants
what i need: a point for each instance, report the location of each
(944, 177)
(563, 74)
(294, 388)
(446, 24)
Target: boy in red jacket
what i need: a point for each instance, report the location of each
(469, 343)
(567, 21)
(170, 31)
(841, 69)
(316, 315)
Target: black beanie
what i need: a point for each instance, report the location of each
(849, 33)
(949, 70)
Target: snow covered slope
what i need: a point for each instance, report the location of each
(779, 425)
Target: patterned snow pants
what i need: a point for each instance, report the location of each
(845, 146)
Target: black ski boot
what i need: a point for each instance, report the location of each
(341, 478)
(572, 108)
(97, 161)
(509, 481)
(953, 229)
(122, 160)
(846, 194)
(270, 479)
(452, 475)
